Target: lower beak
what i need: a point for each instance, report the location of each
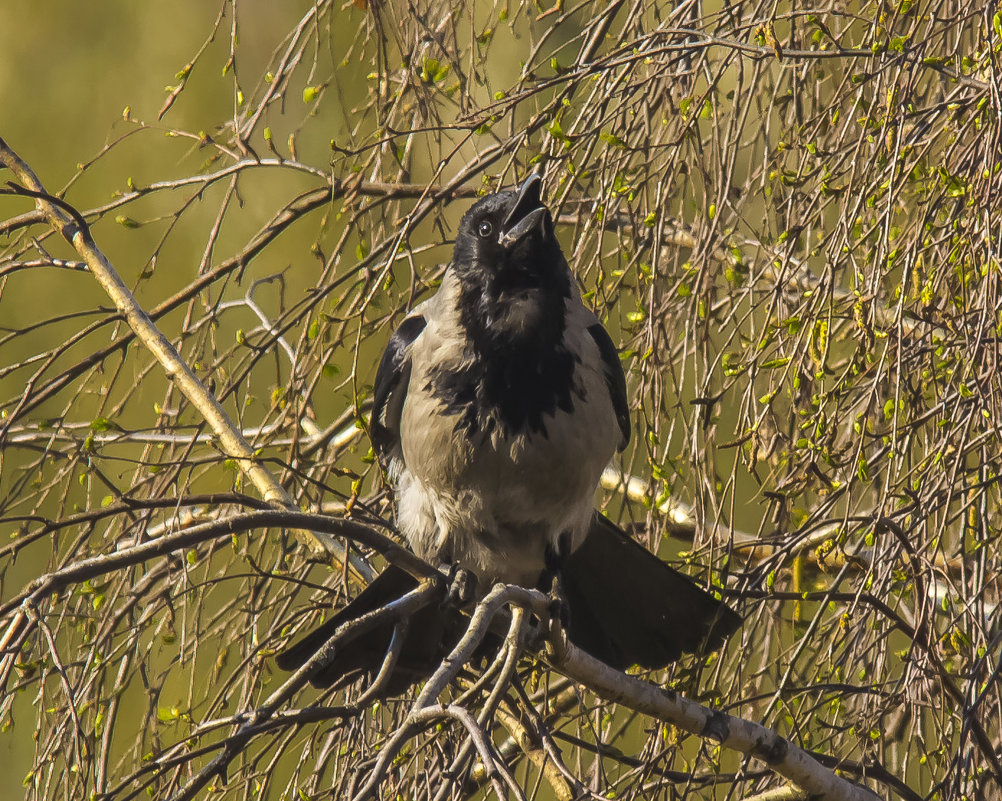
(536, 220)
(527, 215)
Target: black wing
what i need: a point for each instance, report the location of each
(393, 374)
(614, 379)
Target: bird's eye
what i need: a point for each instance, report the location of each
(485, 229)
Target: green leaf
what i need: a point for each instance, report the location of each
(556, 130)
(433, 71)
(818, 346)
(863, 469)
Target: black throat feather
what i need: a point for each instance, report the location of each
(511, 381)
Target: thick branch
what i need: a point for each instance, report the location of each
(784, 757)
(170, 543)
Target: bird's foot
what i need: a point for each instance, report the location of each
(551, 584)
(557, 613)
(559, 609)
(462, 585)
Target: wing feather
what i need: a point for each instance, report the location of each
(390, 388)
(615, 379)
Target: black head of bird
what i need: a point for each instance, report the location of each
(513, 274)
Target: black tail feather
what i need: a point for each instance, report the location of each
(624, 606)
(627, 607)
(431, 633)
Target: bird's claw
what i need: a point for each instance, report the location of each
(462, 586)
(558, 601)
(559, 611)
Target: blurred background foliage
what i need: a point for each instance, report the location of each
(786, 217)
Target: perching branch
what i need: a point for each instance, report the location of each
(749, 738)
(782, 756)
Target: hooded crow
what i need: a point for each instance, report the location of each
(497, 404)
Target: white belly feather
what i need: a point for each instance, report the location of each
(493, 503)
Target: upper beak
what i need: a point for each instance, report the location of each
(528, 213)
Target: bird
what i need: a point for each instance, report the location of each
(497, 404)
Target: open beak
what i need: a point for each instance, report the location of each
(527, 215)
